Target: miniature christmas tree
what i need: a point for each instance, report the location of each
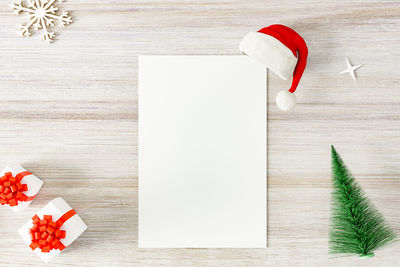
(357, 226)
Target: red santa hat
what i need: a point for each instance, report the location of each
(281, 50)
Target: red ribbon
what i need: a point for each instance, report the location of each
(46, 234)
(11, 189)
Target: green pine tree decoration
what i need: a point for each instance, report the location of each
(357, 226)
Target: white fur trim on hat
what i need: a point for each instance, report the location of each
(270, 52)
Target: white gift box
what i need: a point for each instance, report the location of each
(34, 184)
(73, 227)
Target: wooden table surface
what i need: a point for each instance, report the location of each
(68, 113)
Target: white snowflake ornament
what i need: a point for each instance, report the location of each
(41, 15)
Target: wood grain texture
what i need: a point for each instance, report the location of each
(68, 113)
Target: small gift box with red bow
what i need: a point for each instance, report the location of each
(18, 187)
(52, 229)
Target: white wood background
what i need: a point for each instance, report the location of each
(68, 113)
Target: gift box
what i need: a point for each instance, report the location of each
(52, 229)
(18, 187)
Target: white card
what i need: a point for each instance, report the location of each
(202, 152)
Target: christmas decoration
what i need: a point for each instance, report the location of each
(282, 50)
(18, 187)
(41, 15)
(52, 229)
(350, 69)
(357, 226)
(46, 233)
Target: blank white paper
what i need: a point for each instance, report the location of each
(202, 152)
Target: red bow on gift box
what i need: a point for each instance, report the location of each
(11, 189)
(46, 233)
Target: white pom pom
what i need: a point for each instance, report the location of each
(286, 100)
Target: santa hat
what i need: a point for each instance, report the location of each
(283, 51)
